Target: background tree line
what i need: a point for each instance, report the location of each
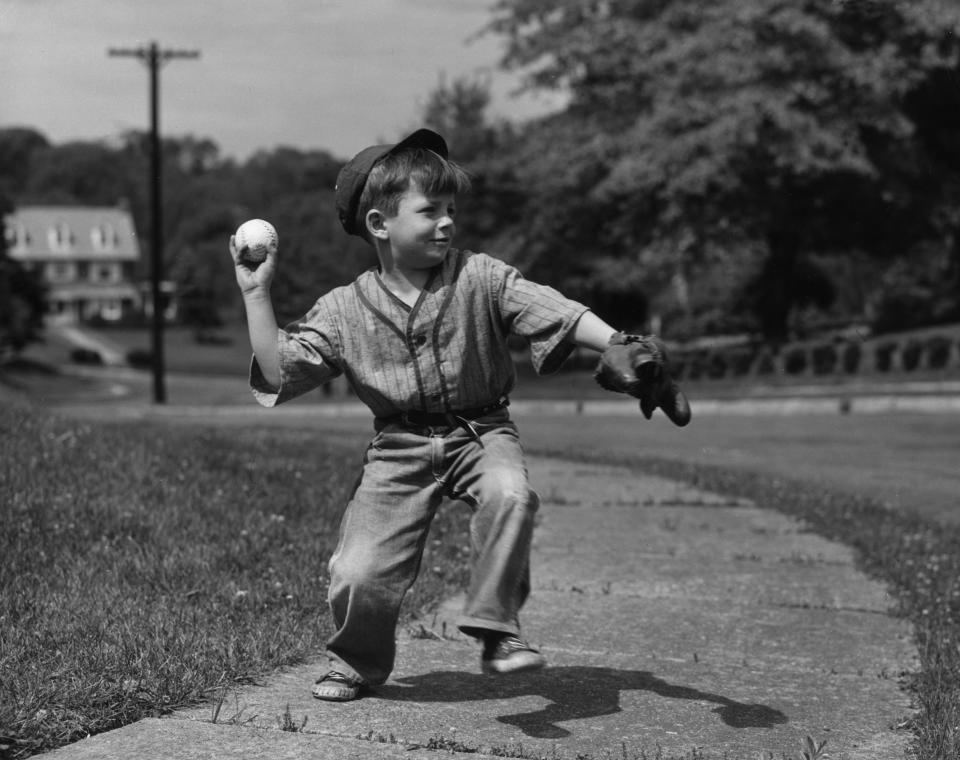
(759, 166)
(205, 197)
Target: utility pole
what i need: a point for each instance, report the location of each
(154, 58)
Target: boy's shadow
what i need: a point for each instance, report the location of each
(574, 692)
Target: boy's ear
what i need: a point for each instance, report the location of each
(375, 226)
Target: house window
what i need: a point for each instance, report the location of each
(59, 237)
(16, 235)
(104, 273)
(104, 237)
(60, 272)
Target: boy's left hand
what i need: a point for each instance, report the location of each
(637, 365)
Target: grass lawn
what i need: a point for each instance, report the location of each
(144, 568)
(225, 351)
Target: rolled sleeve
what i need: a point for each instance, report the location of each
(543, 316)
(303, 366)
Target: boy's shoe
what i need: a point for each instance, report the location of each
(336, 687)
(509, 654)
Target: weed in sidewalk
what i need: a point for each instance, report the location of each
(286, 722)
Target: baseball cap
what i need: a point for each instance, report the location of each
(353, 176)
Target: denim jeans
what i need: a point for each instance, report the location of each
(406, 475)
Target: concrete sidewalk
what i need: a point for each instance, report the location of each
(672, 618)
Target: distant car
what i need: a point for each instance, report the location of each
(85, 356)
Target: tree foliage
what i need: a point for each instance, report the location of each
(458, 111)
(734, 142)
(205, 198)
(22, 298)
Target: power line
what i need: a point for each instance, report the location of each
(154, 58)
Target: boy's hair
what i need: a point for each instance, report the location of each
(395, 173)
(428, 166)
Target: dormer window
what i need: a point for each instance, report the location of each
(16, 235)
(104, 237)
(59, 237)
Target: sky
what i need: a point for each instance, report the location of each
(334, 75)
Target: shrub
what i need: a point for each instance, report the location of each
(795, 361)
(741, 362)
(911, 354)
(852, 353)
(884, 355)
(938, 351)
(140, 358)
(766, 361)
(824, 359)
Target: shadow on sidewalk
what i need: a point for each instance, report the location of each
(574, 693)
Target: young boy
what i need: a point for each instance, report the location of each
(422, 341)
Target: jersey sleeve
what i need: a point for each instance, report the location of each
(539, 313)
(308, 358)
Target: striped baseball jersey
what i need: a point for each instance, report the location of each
(445, 353)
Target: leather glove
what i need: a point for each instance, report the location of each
(637, 365)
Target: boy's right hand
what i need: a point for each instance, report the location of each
(252, 277)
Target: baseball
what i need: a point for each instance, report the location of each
(255, 239)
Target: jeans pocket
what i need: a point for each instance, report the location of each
(393, 437)
(499, 419)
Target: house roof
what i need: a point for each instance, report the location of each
(71, 233)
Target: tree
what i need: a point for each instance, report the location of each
(18, 146)
(294, 190)
(77, 172)
(458, 111)
(738, 141)
(934, 109)
(199, 264)
(22, 298)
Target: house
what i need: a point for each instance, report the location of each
(87, 256)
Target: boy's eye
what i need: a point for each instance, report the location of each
(435, 208)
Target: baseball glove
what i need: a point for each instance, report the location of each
(637, 365)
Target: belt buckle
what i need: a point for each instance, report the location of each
(415, 426)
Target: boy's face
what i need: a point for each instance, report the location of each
(421, 232)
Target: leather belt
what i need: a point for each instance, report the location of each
(445, 419)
